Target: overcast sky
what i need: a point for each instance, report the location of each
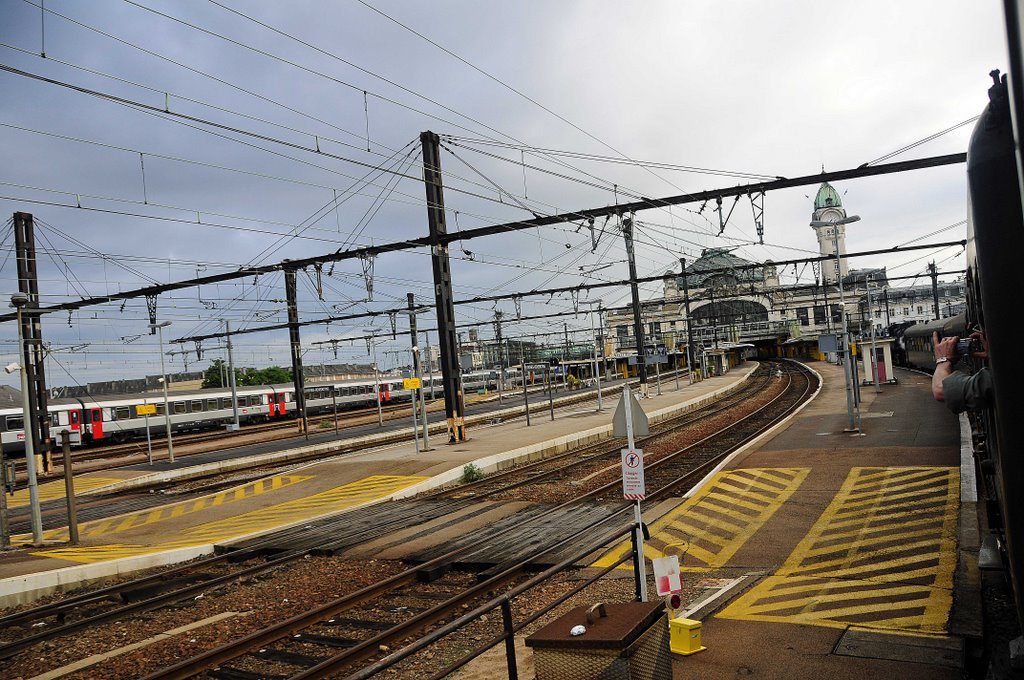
(325, 102)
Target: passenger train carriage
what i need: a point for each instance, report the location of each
(116, 418)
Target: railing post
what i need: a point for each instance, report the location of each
(510, 639)
(69, 487)
(636, 566)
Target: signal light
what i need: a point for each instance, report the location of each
(675, 601)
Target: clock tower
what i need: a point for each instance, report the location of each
(828, 207)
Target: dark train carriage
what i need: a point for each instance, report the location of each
(918, 351)
(995, 241)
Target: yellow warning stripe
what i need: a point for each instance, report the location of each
(103, 527)
(310, 507)
(718, 519)
(49, 491)
(865, 562)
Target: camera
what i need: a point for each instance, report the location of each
(966, 346)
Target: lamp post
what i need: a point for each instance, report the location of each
(159, 327)
(18, 301)
(597, 373)
(851, 425)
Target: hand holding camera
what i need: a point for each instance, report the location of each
(953, 348)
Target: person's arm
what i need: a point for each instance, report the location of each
(945, 357)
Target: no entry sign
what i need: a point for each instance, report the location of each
(633, 488)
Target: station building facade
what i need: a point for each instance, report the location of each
(733, 300)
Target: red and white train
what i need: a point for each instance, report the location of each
(116, 418)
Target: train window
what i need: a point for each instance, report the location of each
(255, 400)
(74, 417)
(179, 407)
(122, 412)
(62, 417)
(197, 405)
(159, 408)
(211, 404)
(15, 423)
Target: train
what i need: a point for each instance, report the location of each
(914, 342)
(116, 418)
(994, 242)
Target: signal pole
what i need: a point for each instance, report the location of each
(934, 273)
(416, 371)
(638, 331)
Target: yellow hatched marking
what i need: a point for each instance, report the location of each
(53, 490)
(684, 529)
(703, 518)
(866, 540)
(747, 497)
(858, 506)
(751, 488)
(98, 553)
(869, 582)
(738, 501)
(906, 519)
(924, 483)
(882, 515)
(102, 527)
(338, 498)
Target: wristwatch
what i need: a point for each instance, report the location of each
(941, 360)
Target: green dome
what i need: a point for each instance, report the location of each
(827, 197)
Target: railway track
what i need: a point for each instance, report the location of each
(337, 637)
(408, 606)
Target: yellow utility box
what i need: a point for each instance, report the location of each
(684, 636)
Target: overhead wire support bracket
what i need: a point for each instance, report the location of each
(723, 222)
(757, 206)
(150, 307)
(367, 262)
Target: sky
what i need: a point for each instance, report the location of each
(215, 135)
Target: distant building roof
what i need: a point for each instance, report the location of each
(9, 397)
(718, 265)
(827, 197)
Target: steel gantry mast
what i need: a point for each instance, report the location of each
(37, 420)
(448, 341)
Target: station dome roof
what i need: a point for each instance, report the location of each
(827, 197)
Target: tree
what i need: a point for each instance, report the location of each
(215, 375)
(266, 376)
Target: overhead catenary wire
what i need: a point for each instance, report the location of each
(369, 72)
(580, 155)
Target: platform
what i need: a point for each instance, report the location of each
(825, 553)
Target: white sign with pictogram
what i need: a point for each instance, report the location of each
(633, 488)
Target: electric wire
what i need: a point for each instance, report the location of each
(919, 142)
(178, 96)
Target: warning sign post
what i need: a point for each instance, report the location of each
(630, 417)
